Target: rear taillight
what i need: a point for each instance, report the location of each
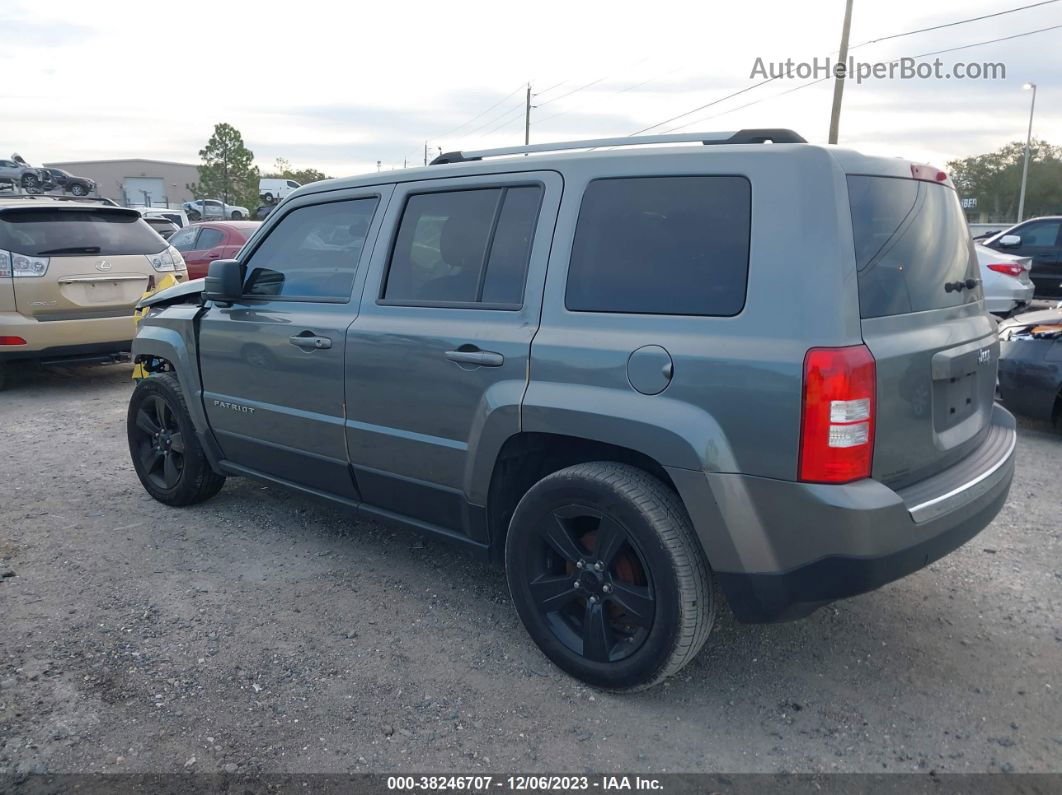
(837, 431)
(12, 341)
(1006, 267)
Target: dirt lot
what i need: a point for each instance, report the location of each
(260, 632)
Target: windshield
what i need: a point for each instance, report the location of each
(73, 231)
(912, 246)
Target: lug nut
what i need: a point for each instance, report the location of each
(577, 585)
(580, 565)
(593, 600)
(599, 566)
(606, 588)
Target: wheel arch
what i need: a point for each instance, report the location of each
(527, 457)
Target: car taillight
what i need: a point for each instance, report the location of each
(12, 341)
(837, 430)
(1008, 268)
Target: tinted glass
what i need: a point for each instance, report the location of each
(313, 252)
(503, 282)
(662, 245)
(73, 232)
(441, 246)
(1043, 234)
(208, 238)
(911, 240)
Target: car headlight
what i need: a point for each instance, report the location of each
(14, 264)
(167, 260)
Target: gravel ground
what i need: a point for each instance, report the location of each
(261, 632)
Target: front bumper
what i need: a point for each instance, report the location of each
(793, 547)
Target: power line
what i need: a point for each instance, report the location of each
(492, 120)
(482, 113)
(512, 116)
(829, 77)
(953, 24)
(621, 91)
(923, 55)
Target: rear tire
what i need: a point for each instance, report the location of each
(193, 216)
(636, 618)
(166, 452)
(237, 215)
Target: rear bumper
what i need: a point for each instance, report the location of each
(64, 338)
(798, 546)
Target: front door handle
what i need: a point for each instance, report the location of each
(308, 342)
(477, 358)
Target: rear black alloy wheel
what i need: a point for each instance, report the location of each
(607, 575)
(165, 450)
(590, 584)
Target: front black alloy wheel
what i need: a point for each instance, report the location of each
(79, 190)
(607, 575)
(159, 446)
(166, 453)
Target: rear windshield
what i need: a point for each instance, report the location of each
(53, 232)
(911, 244)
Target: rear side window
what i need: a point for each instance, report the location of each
(313, 252)
(466, 247)
(662, 246)
(56, 232)
(911, 242)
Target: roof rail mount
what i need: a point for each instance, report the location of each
(777, 135)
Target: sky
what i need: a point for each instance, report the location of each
(340, 86)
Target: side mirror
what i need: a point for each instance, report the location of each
(224, 281)
(1010, 241)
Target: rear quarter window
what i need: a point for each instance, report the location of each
(662, 246)
(74, 231)
(911, 240)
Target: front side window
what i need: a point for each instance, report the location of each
(209, 238)
(662, 246)
(1040, 235)
(313, 252)
(465, 247)
(185, 239)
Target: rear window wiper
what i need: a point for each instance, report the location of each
(71, 250)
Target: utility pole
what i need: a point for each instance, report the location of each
(1028, 144)
(425, 153)
(839, 73)
(527, 117)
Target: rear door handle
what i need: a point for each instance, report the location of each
(476, 358)
(308, 342)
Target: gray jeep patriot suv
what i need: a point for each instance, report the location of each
(645, 378)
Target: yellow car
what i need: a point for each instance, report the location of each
(70, 274)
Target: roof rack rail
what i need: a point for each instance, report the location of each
(777, 135)
(58, 198)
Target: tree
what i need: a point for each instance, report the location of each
(282, 169)
(994, 179)
(228, 171)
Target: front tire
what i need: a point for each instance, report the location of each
(607, 575)
(236, 215)
(30, 181)
(166, 452)
(78, 190)
(194, 216)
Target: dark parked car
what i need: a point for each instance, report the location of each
(1030, 364)
(1040, 239)
(202, 243)
(67, 182)
(630, 375)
